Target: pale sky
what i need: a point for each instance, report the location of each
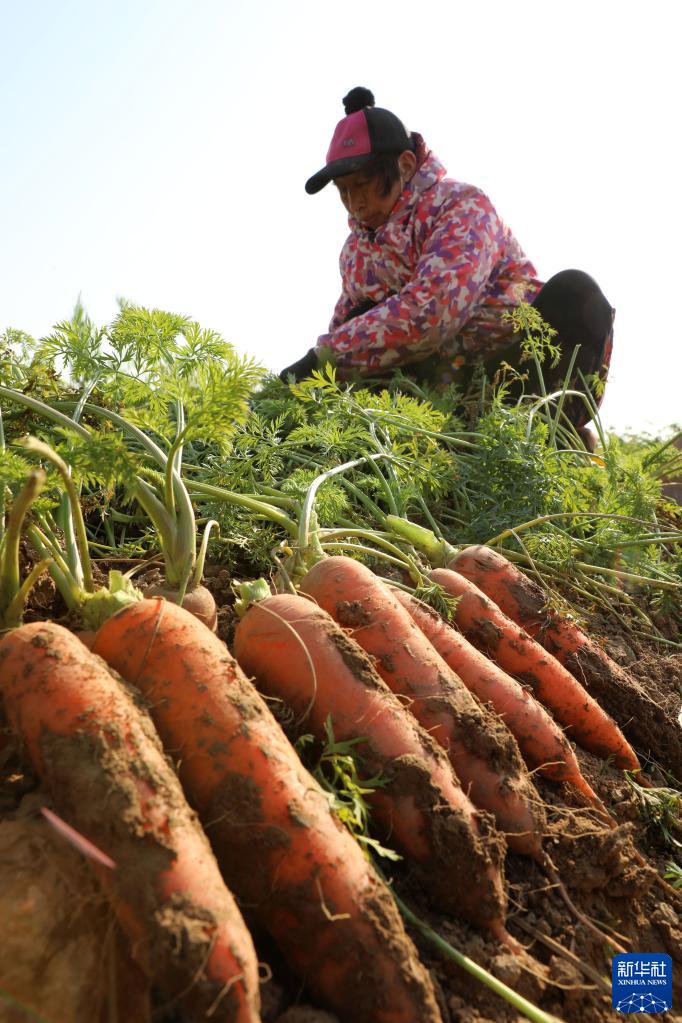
(158, 150)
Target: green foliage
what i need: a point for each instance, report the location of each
(75, 346)
(673, 874)
(214, 415)
(659, 808)
(292, 435)
(14, 468)
(336, 769)
(105, 460)
(438, 598)
(20, 367)
(511, 479)
(245, 542)
(148, 362)
(179, 363)
(537, 337)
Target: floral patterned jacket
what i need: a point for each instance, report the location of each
(442, 270)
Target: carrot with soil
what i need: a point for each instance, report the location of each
(280, 849)
(483, 752)
(488, 628)
(298, 653)
(541, 741)
(104, 767)
(616, 689)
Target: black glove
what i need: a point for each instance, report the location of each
(301, 369)
(310, 361)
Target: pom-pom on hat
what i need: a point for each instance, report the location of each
(364, 133)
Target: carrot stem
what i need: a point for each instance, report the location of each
(363, 549)
(439, 552)
(306, 513)
(659, 584)
(47, 546)
(43, 409)
(15, 610)
(251, 503)
(181, 552)
(501, 537)
(544, 401)
(9, 554)
(76, 514)
(367, 502)
(201, 558)
(567, 379)
(525, 1007)
(328, 536)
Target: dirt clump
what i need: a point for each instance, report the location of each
(61, 956)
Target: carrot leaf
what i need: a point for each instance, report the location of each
(336, 770)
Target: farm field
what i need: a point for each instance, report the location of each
(327, 701)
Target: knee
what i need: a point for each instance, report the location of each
(572, 300)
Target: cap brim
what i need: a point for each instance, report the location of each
(336, 169)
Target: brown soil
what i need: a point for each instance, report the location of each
(53, 938)
(62, 955)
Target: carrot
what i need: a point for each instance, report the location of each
(542, 743)
(489, 629)
(298, 653)
(86, 636)
(616, 689)
(199, 601)
(280, 849)
(481, 748)
(104, 767)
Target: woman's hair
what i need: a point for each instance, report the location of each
(384, 167)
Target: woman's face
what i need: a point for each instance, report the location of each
(364, 200)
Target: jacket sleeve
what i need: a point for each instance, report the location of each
(462, 248)
(341, 310)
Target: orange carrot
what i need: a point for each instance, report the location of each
(519, 597)
(280, 849)
(199, 601)
(104, 767)
(615, 688)
(299, 654)
(483, 752)
(541, 741)
(86, 636)
(488, 628)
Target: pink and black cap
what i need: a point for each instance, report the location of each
(366, 132)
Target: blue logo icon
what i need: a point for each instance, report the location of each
(642, 982)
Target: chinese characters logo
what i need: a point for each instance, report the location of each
(642, 982)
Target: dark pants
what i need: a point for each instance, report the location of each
(574, 305)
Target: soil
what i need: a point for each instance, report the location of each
(58, 932)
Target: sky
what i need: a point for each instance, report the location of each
(157, 150)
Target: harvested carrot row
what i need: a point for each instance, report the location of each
(616, 689)
(298, 653)
(94, 748)
(279, 846)
(483, 752)
(489, 629)
(541, 741)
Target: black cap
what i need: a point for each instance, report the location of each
(364, 133)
